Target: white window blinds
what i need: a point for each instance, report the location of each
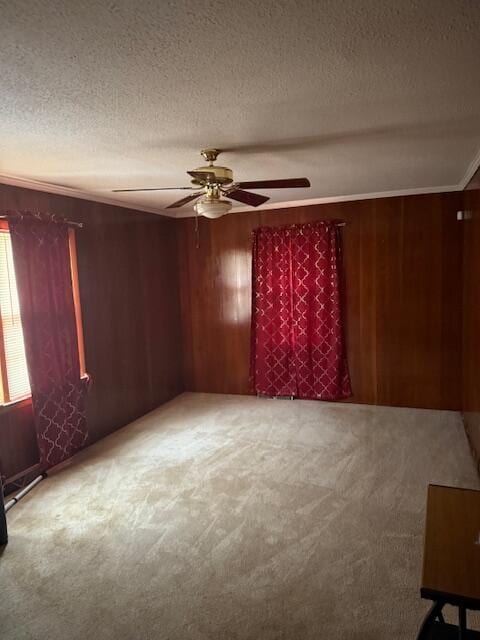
(13, 367)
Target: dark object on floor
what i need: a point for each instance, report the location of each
(451, 560)
(11, 503)
(3, 519)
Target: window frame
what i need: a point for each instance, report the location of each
(4, 387)
(72, 245)
(5, 400)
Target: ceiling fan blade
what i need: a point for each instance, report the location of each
(253, 199)
(203, 176)
(289, 183)
(151, 189)
(186, 200)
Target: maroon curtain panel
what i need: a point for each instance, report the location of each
(298, 346)
(42, 267)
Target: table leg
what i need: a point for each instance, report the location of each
(434, 614)
(462, 623)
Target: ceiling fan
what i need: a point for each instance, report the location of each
(212, 182)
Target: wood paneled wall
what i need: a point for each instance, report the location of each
(403, 262)
(471, 314)
(403, 268)
(131, 316)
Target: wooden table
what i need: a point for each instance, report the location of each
(451, 560)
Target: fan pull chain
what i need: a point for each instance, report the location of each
(197, 230)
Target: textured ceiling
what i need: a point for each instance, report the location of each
(361, 96)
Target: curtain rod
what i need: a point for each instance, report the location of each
(69, 222)
(80, 224)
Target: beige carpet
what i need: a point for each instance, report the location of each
(227, 517)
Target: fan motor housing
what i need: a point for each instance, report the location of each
(223, 175)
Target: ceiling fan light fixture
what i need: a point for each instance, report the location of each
(212, 208)
(211, 182)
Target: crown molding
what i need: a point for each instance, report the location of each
(471, 171)
(333, 199)
(48, 187)
(70, 192)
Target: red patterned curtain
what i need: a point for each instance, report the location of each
(42, 266)
(298, 346)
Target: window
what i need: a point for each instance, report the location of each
(13, 365)
(14, 383)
